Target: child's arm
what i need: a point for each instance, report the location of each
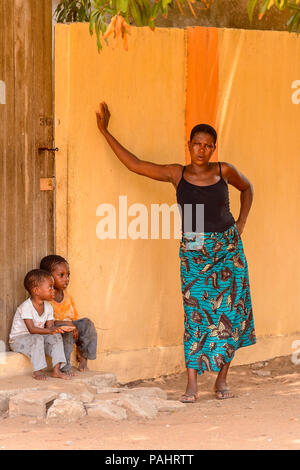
(67, 323)
(50, 329)
(50, 324)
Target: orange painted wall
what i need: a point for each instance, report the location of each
(202, 88)
(259, 134)
(241, 83)
(129, 288)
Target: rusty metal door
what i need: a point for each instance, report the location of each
(26, 124)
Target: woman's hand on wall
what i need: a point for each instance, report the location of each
(103, 116)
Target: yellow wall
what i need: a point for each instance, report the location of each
(129, 288)
(259, 134)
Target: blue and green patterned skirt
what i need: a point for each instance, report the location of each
(218, 315)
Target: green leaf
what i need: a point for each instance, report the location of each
(135, 12)
(280, 4)
(294, 22)
(155, 10)
(165, 3)
(264, 7)
(147, 8)
(122, 5)
(251, 6)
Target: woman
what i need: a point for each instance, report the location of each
(214, 273)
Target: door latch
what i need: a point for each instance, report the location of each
(47, 184)
(46, 149)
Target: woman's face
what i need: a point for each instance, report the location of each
(201, 148)
(61, 276)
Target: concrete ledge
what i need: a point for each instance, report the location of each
(140, 364)
(156, 361)
(267, 347)
(153, 362)
(13, 363)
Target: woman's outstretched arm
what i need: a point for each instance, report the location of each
(170, 173)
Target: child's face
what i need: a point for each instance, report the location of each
(61, 276)
(45, 290)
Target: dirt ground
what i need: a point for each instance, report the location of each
(264, 415)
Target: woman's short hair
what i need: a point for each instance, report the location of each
(49, 262)
(206, 128)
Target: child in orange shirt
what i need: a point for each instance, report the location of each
(65, 313)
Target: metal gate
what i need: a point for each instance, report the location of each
(26, 125)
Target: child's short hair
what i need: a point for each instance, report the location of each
(34, 278)
(48, 262)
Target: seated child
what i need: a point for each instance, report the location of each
(65, 313)
(33, 332)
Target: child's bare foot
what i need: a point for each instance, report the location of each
(82, 367)
(70, 373)
(57, 374)
(39, 375)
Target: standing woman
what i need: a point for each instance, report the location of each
(214, 273)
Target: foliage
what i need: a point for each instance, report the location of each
(293, 6)
(114, 16)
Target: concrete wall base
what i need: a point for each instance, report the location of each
(154, 362)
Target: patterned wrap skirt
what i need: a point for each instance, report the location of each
(218, 316)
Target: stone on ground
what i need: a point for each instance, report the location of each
(102, 390)
(33, 404)
(262, 373)
(168, 405)
(4, 404)
(66, 396)
(98, 380)
(146, 392)
(86, 397)
(258, 365)
(105, 409)
(67, 411)
(141, 407)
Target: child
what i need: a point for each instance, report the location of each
(33, 332)
(65, 313)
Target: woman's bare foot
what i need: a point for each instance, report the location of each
(39, 375)
(221, 388)
(190, 395)
(222, 391)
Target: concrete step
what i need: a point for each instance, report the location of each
(13, 363)
(88, 395)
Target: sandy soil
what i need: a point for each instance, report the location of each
(265, 414)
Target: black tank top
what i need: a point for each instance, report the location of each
(215, 198)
